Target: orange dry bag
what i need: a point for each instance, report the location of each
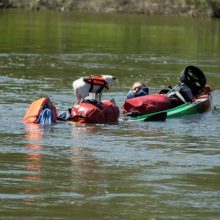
(36, 108)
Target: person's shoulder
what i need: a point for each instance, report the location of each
(144, 91)
(130, 95)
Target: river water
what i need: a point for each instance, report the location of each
(138, 170)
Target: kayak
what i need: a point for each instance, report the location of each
(190, 96)
(199, 105)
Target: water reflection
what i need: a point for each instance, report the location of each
(81, 130)
(33, 135)
(83, 163)
(33, 157)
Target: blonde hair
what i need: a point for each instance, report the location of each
(138, 84)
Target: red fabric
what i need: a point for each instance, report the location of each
(112, 111)
(147, 104)
(105, 112)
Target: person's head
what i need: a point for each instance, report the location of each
(137, 86)
(138, 89)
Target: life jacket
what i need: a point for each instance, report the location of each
(41, 111)
(96, 80)
(91, 111)
(147, 104)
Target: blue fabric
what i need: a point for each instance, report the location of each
(65, 116)
(142, 92)
(46, 116)
(131, 95)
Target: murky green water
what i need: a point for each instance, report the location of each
(153, 170)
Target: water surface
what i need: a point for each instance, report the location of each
(153, 170)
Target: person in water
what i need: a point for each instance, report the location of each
(138, 89)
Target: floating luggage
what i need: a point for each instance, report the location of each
(147, 104)
(91, 111)
(41, 111)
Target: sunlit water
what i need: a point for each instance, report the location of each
(128, 170)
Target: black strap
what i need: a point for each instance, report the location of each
(91, 87)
